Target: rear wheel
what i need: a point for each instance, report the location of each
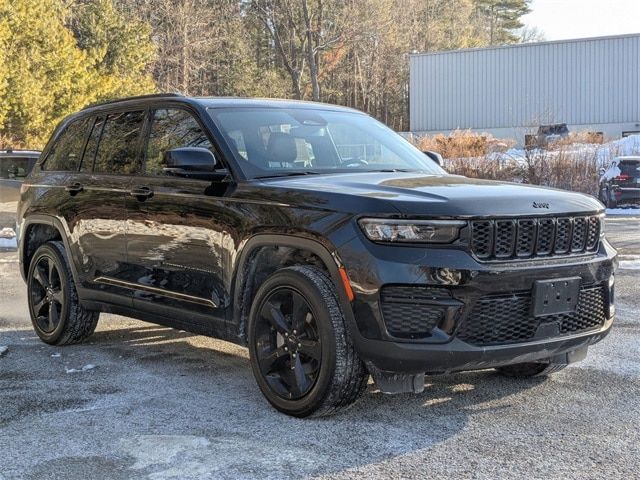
(531, 369)
(302, 356)
(56, 314)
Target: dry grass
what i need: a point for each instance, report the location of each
(570, 163)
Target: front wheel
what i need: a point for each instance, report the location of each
(56, 314)
(301, 352)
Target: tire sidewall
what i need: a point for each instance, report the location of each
(53, 254)
(304, 286)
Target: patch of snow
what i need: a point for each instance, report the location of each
(629, 262)
(83, 369)
(3, 350)
(8, 243)
(56, 355)
(7, 233)
(623, 211)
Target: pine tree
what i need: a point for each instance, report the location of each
(502, 19)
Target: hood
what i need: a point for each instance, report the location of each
(441, 195)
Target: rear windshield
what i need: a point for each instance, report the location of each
(273, 142)
(16, 167)
(630, 168)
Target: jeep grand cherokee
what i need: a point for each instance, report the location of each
(315, 236)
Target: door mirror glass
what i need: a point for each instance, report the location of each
(190, 162)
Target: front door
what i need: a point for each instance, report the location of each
(175, 230)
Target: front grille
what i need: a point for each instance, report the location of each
(502, 319)
(504, 239)
(408, 310)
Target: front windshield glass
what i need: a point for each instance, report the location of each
(273, 142)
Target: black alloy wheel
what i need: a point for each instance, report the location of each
(289, 349)
(302, 355)
(46, 294)
(57, 315)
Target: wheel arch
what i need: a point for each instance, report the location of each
(276, 248)
(37, 230)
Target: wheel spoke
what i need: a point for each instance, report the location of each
(299, 311)
(275, 317)
(52, 271)
(301, 383)
(53, 316)
(40, 277)
(273, 361)
(311, 349)
(58, 296)
(37, 308)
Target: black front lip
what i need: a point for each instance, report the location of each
(459, 356)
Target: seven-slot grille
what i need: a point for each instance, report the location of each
(509, 238)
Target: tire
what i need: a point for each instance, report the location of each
(56, 314)
(533, 369)
(329, 376)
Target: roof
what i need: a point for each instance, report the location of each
(20, 153)
(221, 102)
(527, 45)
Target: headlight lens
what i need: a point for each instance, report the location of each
(411, 231)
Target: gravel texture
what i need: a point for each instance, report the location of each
(143, 401)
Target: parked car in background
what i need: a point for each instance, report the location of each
(314, 235)
(620, 182)
(15, 165)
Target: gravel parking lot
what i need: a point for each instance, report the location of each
(143, 401)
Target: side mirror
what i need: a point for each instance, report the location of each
(190, 162)
(436, 157)
(602, 171)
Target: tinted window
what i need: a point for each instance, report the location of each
(92, 146)
(67, 150)
(118, 147)
(630, 169)
(172, 128)
(16, 167)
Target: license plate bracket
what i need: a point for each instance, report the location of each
(557, 296)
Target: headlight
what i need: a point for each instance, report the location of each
(411, 231)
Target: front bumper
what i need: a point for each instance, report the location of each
(443, 351)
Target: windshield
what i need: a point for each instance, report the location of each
(273, 142)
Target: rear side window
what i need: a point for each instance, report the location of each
(118, 146)
(172, 128)
(92, 146)
(630, 169)
(67, 150)
(16, 167)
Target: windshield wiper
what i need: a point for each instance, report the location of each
(393, 170)
(289, 174)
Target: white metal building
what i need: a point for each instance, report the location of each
(590, 84)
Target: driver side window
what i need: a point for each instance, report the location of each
(172, 128)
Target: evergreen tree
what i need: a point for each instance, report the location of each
(502, 19)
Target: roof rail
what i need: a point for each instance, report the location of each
(138, 97)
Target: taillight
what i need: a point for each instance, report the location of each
(622, 178)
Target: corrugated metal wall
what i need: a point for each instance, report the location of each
(588, 81)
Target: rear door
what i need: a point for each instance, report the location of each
(176, 232)
(111, 158)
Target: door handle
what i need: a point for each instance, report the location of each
(141, 193)
(74, 188)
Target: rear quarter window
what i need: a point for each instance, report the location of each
(66, 152)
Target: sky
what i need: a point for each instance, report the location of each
(563, 19)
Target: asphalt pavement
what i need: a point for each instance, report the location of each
(139, 401)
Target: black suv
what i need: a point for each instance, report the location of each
(620, 183)
(314, 235)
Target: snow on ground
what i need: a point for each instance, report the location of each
(8, 243)
(632, 211)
